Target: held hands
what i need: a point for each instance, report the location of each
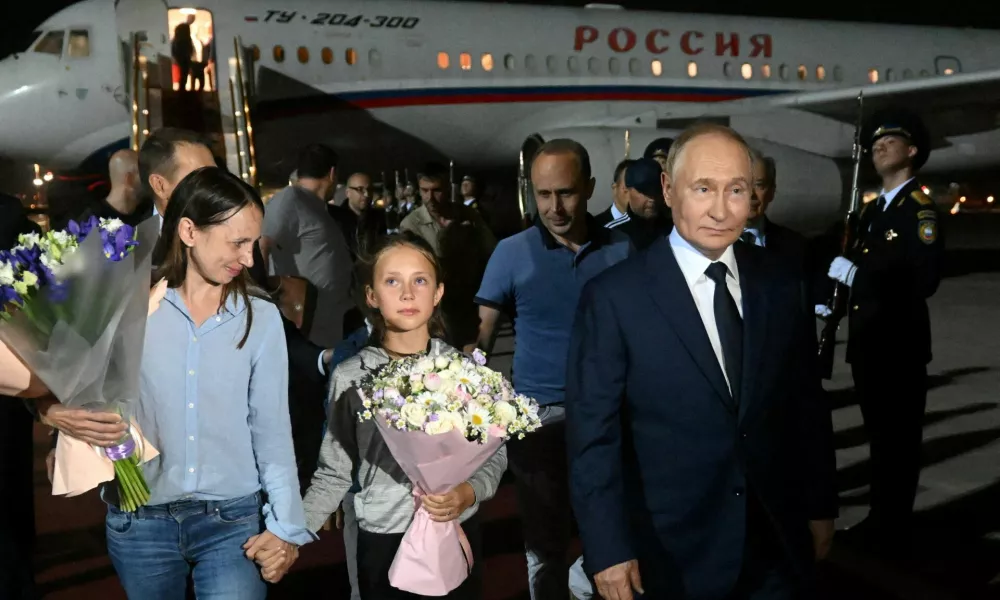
(842, 270)
(617, 582)
(97, 428)
(450, 506)
(822, 535)
(273, 555)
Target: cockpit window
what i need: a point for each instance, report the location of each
(51, 43)
(79, 43)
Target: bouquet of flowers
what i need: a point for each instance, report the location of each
(442, 415)
(73, 305)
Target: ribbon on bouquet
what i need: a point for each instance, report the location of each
(81, 467)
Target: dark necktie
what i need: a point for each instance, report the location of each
(749, 238)
(881, 203)
(730, 326)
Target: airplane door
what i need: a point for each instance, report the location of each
(947, 65)
(148, 19)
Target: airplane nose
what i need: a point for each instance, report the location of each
(22, 130)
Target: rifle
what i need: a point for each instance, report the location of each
(839, 299)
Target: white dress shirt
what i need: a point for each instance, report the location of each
(891, 194)
(693, 264)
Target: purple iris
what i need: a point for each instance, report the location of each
(8, 295)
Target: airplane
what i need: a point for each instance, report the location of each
(392, 84)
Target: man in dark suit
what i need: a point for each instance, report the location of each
(617, 213)
(701, 457)
(784, 242)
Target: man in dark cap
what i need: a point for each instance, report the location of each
(891, 270)
(648, 216)
(658, 150)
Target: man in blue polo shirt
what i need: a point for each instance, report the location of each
(536, 277)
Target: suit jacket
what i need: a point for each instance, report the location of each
(660, 459)
(793, 247)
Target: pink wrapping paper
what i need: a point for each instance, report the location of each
(433, 558)
(81, 467)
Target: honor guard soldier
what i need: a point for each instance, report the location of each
(894, 265)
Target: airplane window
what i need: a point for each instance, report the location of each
(443, 60)
(79, 43)
(783, 72)
(351, 56)
(530, 63)
(925, 73)
(327, 55)
(51, 43)
(802, 72)
(820, 73)
(255, 52)
(509, 62)
(303, 54)
(873, 75)
(279, 54)
(574, 64)
(692, 69)
(746, 70)
(889, 75)
(594, 65)
(634, 66)
(613, 66)
(838, 73)
(949, 71)
(727, 70)
(550, 64)
(765, 71)
(374, 57)
(657, 68)
(465, 60)
(487, 62)
(907, 74)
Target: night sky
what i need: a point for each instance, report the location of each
(19, 22)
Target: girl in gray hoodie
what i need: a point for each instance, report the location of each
(402, 283)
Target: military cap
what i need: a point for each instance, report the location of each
(658, 146)
(900, 123)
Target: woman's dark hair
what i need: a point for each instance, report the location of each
(366, 278)
(207, 196)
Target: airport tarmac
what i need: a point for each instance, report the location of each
(956, 554)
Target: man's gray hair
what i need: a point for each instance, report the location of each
(696, 131)
(770, 169)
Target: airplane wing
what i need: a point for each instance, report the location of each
(950, 105)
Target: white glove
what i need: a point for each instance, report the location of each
(823, 310)
(842, 270)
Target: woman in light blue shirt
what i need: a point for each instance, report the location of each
(214, 402)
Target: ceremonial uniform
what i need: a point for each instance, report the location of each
(897, 260)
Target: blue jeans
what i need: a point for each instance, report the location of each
(155, 549)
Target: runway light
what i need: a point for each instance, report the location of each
(962, 199)
(989, 199)
(38, 182)
(48, 177)
(954, 209)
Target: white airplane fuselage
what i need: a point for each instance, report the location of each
(391, 83)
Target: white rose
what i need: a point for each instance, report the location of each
(455, 366)
(6, 274)
(456, 420)
(425, 365)
(441, 362)
(505, 412)
(438, 427)
(413, 414)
